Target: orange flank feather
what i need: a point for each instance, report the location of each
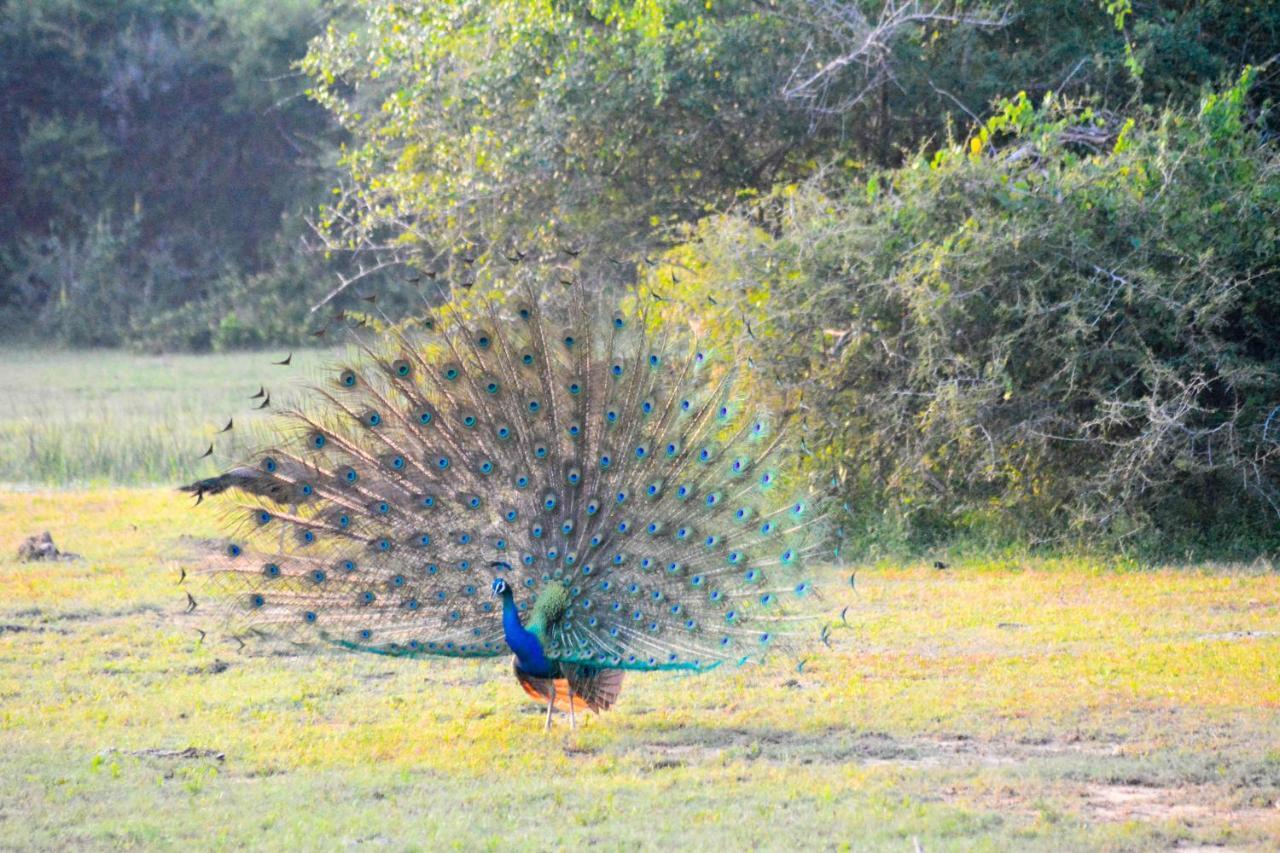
(593, 689)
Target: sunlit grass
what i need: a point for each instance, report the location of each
(114, 417)
(998, 704)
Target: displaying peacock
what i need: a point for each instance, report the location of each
(541, 478)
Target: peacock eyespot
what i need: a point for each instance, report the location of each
(526, 359)
(491, 387)
(428, 501)
(271, 570)
(397, 462)
(350, 475)
(468, 421)
(486, 467)
(452, 373)
(347, 378)
(257, 600)
(654, 360)
(348, 565)
(503, 432)
(425, 417)
(318, 576)
(309, 616)
(401, 367)
(575, 388)
(269, 465)
(540, 451)
(442, 462)
(318, 441)
(616, 369)
(569, 341)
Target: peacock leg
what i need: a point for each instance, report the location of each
(550, 706)
(573, 723)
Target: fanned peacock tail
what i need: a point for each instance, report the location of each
(621, 481)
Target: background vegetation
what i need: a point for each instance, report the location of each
(1020, 258)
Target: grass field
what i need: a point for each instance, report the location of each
(1005, 703)
(109, 417)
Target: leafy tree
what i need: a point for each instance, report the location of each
(1064, 323)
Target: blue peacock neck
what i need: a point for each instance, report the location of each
(525, 644)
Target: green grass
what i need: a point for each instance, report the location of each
(112, 417)
(1007, 703)
(1002, 704)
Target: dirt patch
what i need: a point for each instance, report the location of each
(1190, 804)
(41, 547)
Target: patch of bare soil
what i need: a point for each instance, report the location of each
(1190, 805)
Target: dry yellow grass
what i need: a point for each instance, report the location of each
(1033, 703)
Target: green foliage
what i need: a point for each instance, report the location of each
(1065, 324)
(155, 143)
(480, 125)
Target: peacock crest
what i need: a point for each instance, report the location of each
(624, 485)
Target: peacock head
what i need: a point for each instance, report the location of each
(500, 587)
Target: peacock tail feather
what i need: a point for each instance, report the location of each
(624, 482)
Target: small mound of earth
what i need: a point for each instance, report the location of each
(41, 547)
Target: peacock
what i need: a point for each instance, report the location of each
(543, 475)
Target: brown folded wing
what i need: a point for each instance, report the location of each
(594, 689)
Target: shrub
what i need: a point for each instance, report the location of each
(1067, 323)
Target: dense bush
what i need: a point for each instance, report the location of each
(147, 147)
(480, 124)
(1065, 323)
